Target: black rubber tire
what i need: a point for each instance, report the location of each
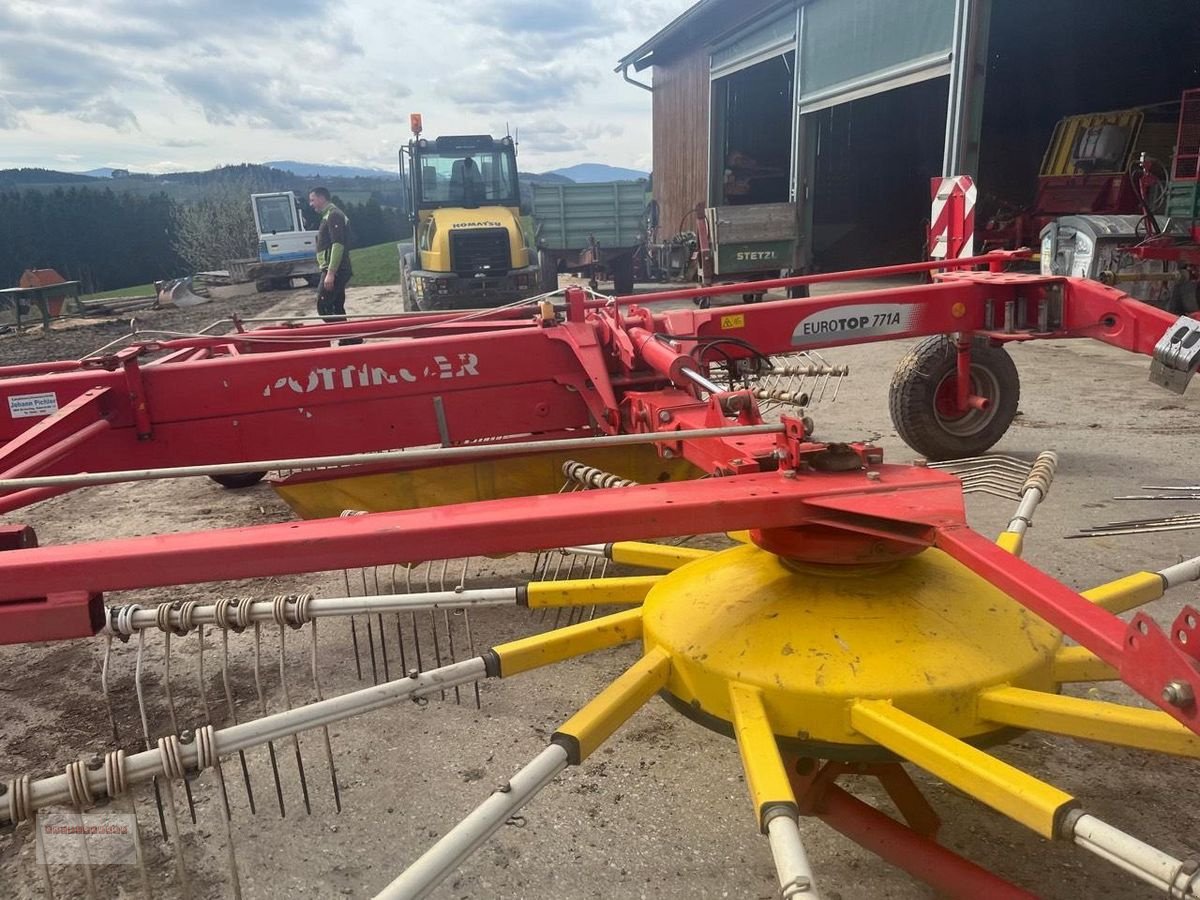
(263, 285)
(622, 275)
(239, 481)
(547, 272)
(796, 291)
(912, 399)
(408, 300)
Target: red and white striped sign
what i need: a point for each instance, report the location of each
(952, 220)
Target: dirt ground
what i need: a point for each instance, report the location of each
(661, 811)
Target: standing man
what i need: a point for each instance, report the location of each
(333, 258)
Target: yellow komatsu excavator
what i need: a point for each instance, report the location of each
(464, 200)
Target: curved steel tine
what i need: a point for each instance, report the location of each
(187, 785)
(433, 622)
(337, 794)
(176, 833)
(112, 719)
(382, 634)
(231, 710)
(470, 637)
(399, 629)
(416, 631)
(287, 704)
(353, 629)
(137, 687)
(262, 710)
(226, 813)
(370, 630)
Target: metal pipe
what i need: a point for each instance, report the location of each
(924, 859)
(21, 499)
(1113, 278)
(403, 456)
(283, 333)
(796, 281)
(791, 861)
(962, 379)
(626, 77)
(56, 450)
(468, 835)
(42, 368)
(1153, 866)
(1156, 520)
(703, 383)
(1176, 496)
(1181, 573)
(124, 620)
(599, 551)
(148, 764)
(1144, 529)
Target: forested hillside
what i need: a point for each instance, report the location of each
(132, 229)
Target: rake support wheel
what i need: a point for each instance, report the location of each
(921, 399)
(239, 480)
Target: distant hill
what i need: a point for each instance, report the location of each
(262, 178)
(544, 178)
(590, 173)
(317, 170)
(105, 172)
(188, 187)
(30, 177)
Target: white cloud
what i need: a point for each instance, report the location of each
(10, 119)
(109, 112)
(199, 83)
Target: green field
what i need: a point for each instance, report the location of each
(138, 290)
(379, 264)
(375, 265)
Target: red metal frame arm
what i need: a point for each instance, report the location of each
(20, 499)
(1146, 658)
(1094, 310)
(332, 400)
(959, 302)
(53, 436)
(788, 326)
(919, 856)
(989, 259)
(763, 500)
(910, 505)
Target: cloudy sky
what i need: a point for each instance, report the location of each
(191, 84)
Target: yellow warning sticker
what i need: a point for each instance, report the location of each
(737, 321)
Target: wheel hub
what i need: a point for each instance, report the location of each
(970, 421)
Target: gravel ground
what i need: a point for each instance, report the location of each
(661, 811)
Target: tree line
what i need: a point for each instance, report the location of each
(108, 240)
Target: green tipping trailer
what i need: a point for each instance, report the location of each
(589, 229)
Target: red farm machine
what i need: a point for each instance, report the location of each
(445, 435)
(1085, 171)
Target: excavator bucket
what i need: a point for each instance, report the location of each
(178, 293)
